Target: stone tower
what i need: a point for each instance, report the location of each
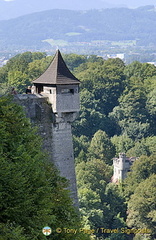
(122, 166)
(54, 105)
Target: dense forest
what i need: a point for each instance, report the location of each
(116, 24)
(118, 114)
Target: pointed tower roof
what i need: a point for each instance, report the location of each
(57, 73)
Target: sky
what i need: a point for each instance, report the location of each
(129, 3)
(14, 8)
(133, 3)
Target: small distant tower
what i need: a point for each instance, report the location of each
(122, 166)
(61, 88)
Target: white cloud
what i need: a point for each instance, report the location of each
(8, 0)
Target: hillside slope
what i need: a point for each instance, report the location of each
(108, 24)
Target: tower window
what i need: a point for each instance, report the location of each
(66, 90)
(39, 88)
(72, 91)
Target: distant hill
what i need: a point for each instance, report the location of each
(114, 24)
(15, 8)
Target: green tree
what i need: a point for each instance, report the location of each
(140, 148)
(101, 203)
(74, 60)
(134, 129)
(38, 55)
(88, 173)
(101, 147)
(18, 80)
(140, 187)
(151, 107)
(142, 168)
(3, 74)
(146, 146)
(81, 145)
(92, 178)
(137, 72)
(150, 142)
(37, 67)
(105, 79)
(19, 62)
(141, 206)
(11, 231)
(91, 118)
(122, 143)
(150, 84)
(132, 115)
(151, 102)
(16, 72)
(132, 105)
(32, 194)
(115, 200)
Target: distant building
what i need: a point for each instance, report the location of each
(153, 63)
(116, 55)
(3, 61)
(122, 166)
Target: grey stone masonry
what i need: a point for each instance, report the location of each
(63, 155)
(55, 129)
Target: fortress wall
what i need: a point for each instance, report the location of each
(56, 134)
(40, 115)
(63, 155)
